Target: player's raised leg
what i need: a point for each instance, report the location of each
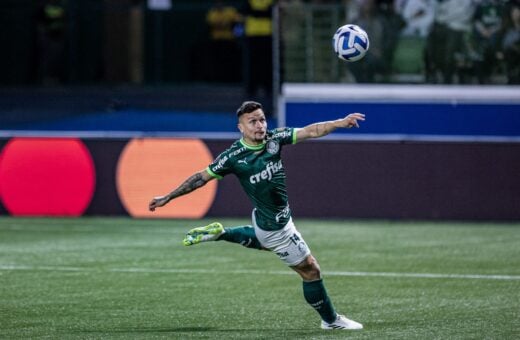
(243, 235)
(210, 232)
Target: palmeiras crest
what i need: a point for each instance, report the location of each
(272, 147)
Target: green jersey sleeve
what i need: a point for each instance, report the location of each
(284, 135)
(221, 166)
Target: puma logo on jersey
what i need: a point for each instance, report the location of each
(242, 161)
(266, 174)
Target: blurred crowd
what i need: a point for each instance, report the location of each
(463, 41)
(51, 31)
(457, 41)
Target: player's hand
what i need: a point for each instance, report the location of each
(157, 202)
(352, 120)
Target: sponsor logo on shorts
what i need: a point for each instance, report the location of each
(284, 254)
(302, 247)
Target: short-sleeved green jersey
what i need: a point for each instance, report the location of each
(261, 173)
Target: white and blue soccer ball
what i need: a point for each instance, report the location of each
(350, 42)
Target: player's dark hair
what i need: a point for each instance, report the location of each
(248, 107)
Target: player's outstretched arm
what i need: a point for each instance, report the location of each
(321, 129)
(194, 182)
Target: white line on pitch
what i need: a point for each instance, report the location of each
(258, 272)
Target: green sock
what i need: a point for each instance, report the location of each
(244, 235)
(316, 295)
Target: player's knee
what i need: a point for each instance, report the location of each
(315, 272)
(310, 270)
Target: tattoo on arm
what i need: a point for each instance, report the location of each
(322, 129)
(317, 129)
(192, 183)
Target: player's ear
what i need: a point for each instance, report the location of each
(239, 126)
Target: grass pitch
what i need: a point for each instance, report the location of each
(118, 278)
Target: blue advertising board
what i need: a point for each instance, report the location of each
(408, 112)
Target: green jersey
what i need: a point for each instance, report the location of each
(259, 169)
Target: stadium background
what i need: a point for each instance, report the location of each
(414, 217)
(137, 73)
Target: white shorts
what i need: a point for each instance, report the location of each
(287, 243)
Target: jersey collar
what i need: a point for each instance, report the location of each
(251, 147)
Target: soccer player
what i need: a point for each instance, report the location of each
(256, 160)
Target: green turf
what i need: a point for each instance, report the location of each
(105, 278)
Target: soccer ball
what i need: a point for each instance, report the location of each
(350, 42)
